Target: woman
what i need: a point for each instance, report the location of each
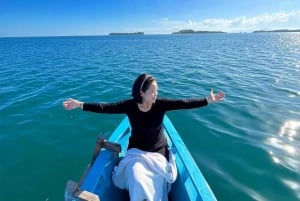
(145, 112)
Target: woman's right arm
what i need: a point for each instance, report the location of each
(109, 108)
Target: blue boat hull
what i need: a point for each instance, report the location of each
(190, 183)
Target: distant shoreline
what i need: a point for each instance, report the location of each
(134, 33)
(279, 30)
(190, 31)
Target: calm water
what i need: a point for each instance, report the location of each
(247, 147)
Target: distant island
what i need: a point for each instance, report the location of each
(190, 31)
(279, 30)
(134, 33)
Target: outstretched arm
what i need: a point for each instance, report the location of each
(215, 97)
(119, 107)
(190, 103)
(71, 104)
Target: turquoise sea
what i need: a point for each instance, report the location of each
(247, 147)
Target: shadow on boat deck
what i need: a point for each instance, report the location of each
(126, 197)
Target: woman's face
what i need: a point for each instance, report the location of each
(150, 95)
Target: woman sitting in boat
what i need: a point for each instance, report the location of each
(147, 141)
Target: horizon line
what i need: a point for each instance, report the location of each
(130, 33)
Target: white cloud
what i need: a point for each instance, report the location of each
(268, 21)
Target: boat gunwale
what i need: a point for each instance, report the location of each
(198, 180)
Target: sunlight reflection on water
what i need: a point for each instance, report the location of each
(293, 185)
(285, 147)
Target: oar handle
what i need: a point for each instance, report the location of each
(115, 147)
(103, 143)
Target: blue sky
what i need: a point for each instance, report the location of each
(100, 17)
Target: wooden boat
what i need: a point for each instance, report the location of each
(96, 183)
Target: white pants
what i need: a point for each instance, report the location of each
(146, 175)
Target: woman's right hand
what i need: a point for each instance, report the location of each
(215, 97)
(71, 104)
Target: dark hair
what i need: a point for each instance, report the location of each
(141, 84)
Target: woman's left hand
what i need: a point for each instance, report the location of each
(215, 97)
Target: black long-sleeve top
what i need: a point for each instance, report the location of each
(147, 127)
